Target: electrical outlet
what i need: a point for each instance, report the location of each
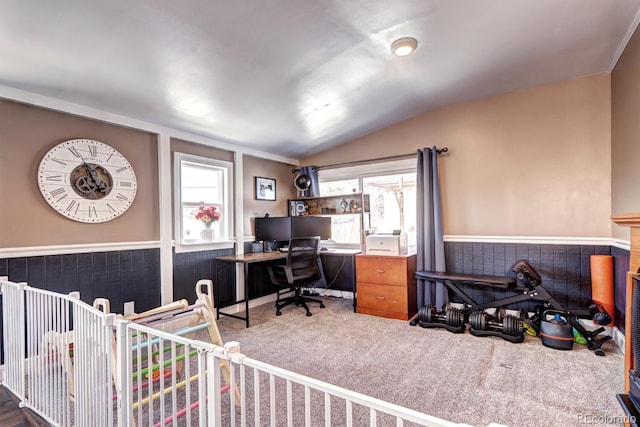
(129, 308)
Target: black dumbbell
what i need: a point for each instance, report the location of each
(509, 324)
(451, 316)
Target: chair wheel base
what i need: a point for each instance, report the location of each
(297, 300)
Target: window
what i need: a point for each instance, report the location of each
(203, 182)
(339, 187)
(393, 203)
(345, 229)
(391, 187)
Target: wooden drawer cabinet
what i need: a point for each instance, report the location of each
(386, 286)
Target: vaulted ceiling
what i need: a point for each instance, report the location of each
(294, 77)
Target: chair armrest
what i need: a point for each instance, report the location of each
(278, 273)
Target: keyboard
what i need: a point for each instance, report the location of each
(286, 249)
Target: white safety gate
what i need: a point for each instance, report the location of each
(75, 365)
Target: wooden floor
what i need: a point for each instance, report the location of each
(11, 415)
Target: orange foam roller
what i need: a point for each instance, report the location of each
(602, 283)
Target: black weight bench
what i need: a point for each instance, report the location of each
(526, 286)
(500, 282)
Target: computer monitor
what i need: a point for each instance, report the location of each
(308, 226)
(273, 228)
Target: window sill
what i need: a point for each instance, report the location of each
(203, 246)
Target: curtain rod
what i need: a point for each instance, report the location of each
(356, 162)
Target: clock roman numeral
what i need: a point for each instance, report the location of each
(74, 152)
(57, 192)
(59, 161)
(92, 211)
(110, 208)
(122, 197)
(72, 205)
(93, 150)
(127, 184)
(109, 158)
(57, 178)
(122, 169)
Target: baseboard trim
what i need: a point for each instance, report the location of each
(618, 337)
(324, 292)
(237, 308)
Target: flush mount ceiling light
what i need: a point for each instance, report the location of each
(404, 46)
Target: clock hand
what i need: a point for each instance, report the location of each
(90, 172)
(88, 184)
(93, 174)
(100, 183)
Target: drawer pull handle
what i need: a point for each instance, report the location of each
(379, 297)
(379, 271)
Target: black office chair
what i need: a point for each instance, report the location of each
(301, 269)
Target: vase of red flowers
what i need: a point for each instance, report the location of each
(207, 215)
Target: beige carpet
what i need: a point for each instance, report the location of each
(457, 377)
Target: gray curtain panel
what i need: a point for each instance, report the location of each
(430, 237)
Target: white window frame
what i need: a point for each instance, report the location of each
(181, 247)
(391, 167)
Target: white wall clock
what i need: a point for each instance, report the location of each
(87, 181)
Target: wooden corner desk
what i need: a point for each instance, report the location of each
(250, 258)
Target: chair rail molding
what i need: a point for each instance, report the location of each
(535, 240)
(76, 249)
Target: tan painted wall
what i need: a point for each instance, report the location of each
(535, 162)
(26, 134)
(625, 134)
(281, 172)
(180, 146)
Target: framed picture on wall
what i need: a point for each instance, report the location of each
(265, 188)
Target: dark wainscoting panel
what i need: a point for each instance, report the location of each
(134, 275)
(339, 271)
(620, 268)
(189, 267)
(565, 269)
(120, 276)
